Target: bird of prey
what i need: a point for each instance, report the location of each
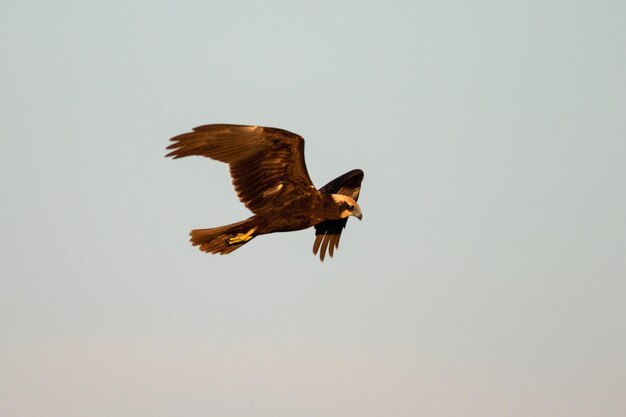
(270, 177)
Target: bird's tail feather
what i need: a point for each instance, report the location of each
(224, 239)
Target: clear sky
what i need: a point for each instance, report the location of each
(487, 275)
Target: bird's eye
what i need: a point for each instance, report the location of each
(351, 207)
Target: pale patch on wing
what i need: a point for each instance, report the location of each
(273, 190)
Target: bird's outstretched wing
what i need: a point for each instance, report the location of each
(266, 164)
(328, 233)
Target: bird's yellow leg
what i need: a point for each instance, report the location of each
(242, 237)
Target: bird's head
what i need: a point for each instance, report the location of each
(347, 206)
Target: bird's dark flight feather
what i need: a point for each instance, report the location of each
(328, 233)
(266, 164)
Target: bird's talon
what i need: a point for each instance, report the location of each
(241, 237)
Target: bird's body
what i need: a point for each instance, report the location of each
(270, 177)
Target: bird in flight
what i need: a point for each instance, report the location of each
(270, 177)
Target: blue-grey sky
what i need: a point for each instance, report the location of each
(486, 278)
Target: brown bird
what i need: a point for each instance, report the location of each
(270, 177)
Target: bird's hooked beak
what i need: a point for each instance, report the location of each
(356, 212)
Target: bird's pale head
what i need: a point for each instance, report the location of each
(347, 206)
